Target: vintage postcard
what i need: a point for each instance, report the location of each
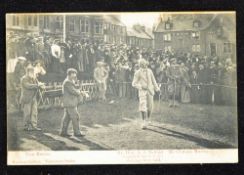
(121, 88)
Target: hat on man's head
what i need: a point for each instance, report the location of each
(71, 70)
(22, 58)
(142, 62)
(100, 63)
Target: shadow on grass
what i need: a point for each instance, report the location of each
(200, 141)
(90, 144)
(16, 136)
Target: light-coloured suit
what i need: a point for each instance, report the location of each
(146, 84)
(101, 76)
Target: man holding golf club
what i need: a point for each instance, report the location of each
(146, 84)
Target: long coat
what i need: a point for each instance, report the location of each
(29, 87)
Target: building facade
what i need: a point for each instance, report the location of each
(87, 28)
(22, 23)
(206, 34)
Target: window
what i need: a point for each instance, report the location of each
(29, 20)
(195, 35)
(59, 22)
(196, 48)
(46, 22)
(35, 20)
(72, 24)
(227, 48)
(167, 48)
(84, 25)
(219, 31)
(15, 21)
(98, 27)
(167, 25)
(167, 37)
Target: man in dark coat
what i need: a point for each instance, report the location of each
(174, 76)
(71, 98)
(29, 89)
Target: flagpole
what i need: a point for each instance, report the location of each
(64, 28)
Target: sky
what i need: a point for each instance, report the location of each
(147, 19)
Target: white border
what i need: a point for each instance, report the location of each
(192, 156)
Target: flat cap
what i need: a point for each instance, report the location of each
(71, 70)
(22, 58)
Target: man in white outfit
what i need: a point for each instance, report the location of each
(101, 76)
(146, 84)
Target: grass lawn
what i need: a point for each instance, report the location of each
(116, 126)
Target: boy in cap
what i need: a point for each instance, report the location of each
(29, 89)
(71, 99)
(146, 84)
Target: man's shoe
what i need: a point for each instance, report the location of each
(27, 129)
(36, 129)
(79, 135)
(65, 135)
(144, 125)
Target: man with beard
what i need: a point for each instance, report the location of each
(146, 84)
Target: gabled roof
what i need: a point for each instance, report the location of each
(184, 22)
(113, 20)
(149, 32)
(138, 33)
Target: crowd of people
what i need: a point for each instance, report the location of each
(197, 78)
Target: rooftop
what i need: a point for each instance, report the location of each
(139, 32)
(185, 22)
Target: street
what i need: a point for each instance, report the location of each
(117, 127)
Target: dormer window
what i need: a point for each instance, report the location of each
(196, 24)
(167, 25)
(195, 35)
(219, 31)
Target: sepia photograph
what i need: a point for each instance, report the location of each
(121, 88)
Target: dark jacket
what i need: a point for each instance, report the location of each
(29, 87)
(71, 95)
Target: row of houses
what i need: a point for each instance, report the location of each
(89, 28)
(203, 34)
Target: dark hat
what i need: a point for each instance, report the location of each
(71, 70)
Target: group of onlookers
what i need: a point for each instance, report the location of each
(199, 78)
